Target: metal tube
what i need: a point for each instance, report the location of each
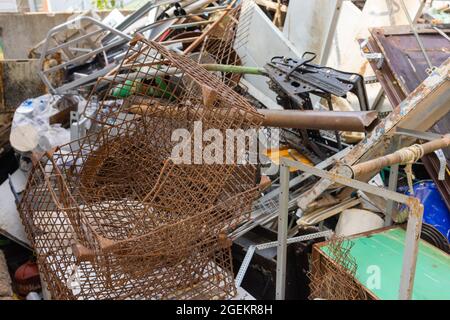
(397, 158)
(413, 228)
(282, 233)
(416, 34)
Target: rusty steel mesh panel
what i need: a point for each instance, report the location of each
(114, 216)
(334, 278)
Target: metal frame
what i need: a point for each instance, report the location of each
(412, 232)
(68, 45)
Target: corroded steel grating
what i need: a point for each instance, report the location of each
(113, 209)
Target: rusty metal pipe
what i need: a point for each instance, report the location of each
(398, 157)
(356, 121)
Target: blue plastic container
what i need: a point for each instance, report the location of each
(435, 212)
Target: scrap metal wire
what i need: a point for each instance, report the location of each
(334, 279)
(113, 216)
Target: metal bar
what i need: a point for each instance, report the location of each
(282, 233)
(83, 80)
(184, 40)
(190, 24)
(68, 43)
(305, 237)
(348, 181)
(244, 266)
(420, 10)
(355, 121)
(418, 134)
(331, 32)
(442, 33)
(393, 180)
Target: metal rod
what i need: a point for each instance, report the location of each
(208, 30)
(347, 181)
(282, 233)
(251, 251)
(356, 121)
(190, 24)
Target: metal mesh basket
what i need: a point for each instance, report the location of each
(113, 216)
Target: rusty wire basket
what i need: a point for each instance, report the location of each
(114, 216)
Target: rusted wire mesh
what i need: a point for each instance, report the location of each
(114, 216)
(335, 279)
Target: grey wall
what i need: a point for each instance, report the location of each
(22, 31)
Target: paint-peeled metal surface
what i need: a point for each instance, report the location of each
(379, 259)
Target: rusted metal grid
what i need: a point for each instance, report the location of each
(112, 216)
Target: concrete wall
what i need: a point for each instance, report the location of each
(22, 31)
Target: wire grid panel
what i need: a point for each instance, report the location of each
(334, 279)
(112, 216)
